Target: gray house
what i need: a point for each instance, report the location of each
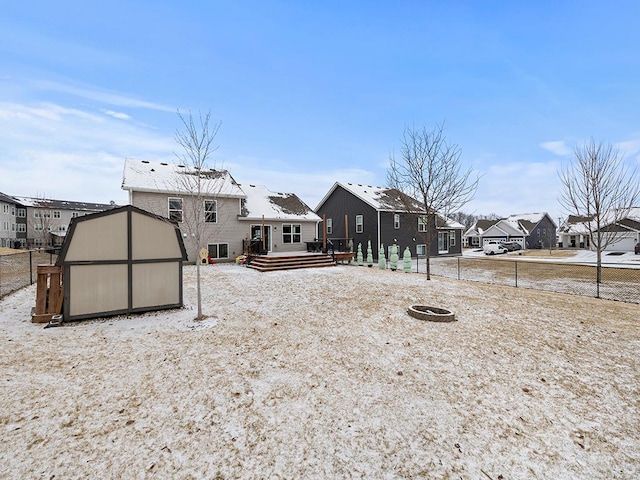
(233, 214)
(363, 212)
(530, 230)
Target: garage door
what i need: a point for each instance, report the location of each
(625, 244)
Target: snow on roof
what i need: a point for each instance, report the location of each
(527, 217)
(63, 204)
(145, 176)
(380, 198)
(275, 206)
(392, 200)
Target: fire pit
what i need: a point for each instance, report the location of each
(431, 314)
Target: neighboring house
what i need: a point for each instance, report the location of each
(233, 213)
(360, 213)
(46, 221)
(473, 237)
(12, 223)
(530, 230)
(575, 232)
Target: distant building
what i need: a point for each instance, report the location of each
(530, 230)
(43, 223)
(574, 233)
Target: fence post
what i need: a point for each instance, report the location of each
(30, 267)
(458, 268)
(516, 263)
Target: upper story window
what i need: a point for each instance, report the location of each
(291, 233)
(210, 211)
(329, 226)
(5, 208)
(175, 209)
(37, 214)
(396, 221)
(22, 227)
(56, 214)
(422, 224)
(359, 223)
(22, 212)
(75, 215)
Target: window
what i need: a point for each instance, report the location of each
(175, 209)
(421, 249)
(74, 215)
(219, 250)
(13, 211)
(396, 221)
(5, 208)
(22, 212)
(56, 214)
(37, 214)
(422, 224)
(329, 226)
(359, 223)
(210, 211)
(452, 238)
(22, 227)
(544, 232)
(5, 226)
(62, 228)
(38, 227)
(291, 233)
(538, 232)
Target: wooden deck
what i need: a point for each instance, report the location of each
(289, 261)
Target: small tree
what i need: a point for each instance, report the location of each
(198, 182)
(598, 186)
(430, 171)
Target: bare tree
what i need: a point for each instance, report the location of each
(598, 186)
(200, 183)
(430, 171)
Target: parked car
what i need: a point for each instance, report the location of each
(637, 248)
(511, 246)
(493, 248)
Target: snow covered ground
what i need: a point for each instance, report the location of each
(320, 373)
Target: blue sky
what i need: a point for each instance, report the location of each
(310, 93)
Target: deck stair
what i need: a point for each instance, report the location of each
(270, 263)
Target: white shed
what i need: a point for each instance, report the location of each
(123, 260)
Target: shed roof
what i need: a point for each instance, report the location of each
(146, 176)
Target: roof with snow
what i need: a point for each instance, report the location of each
(64, 204)
(274, 206)
(146, 176)
(387, 199)
(625, 218)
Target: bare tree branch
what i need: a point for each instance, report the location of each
(430, 171)
(598, 186)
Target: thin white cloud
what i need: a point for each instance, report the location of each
(119, 115)
(558, 148)
(100, 95)
(517, 187)
(70, 153)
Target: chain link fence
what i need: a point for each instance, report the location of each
(19, 269)
(617, 283)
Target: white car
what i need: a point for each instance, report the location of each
(493, 249)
